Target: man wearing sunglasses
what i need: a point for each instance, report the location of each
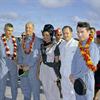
(58, 40)
(58, 35)
(23, 35)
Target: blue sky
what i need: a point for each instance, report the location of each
(56, 12)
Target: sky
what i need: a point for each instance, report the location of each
(59, 13)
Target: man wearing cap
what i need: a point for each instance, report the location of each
(58, 40)
(58, 35)
(8, 69)
(29, 53)
(84, 62)
(67, 50)
(97, 73)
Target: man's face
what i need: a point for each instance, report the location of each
(29, 29)
(8, 31)
(58, 36)
(92, 32)
(23, 34)
(82, 33)
(67, 34)
(98, 40)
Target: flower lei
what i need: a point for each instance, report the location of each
(7, 48)
(31, 44)
(86, 55)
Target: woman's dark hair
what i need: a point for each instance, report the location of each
(83, 25)
(50, 29)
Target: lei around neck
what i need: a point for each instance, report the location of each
(7, 48)
(31, 44)
(86, 54)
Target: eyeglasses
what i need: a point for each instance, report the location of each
(59, 34)
(23, 35)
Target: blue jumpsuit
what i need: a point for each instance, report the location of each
(80, 70)
(7, 69)
(30, 82)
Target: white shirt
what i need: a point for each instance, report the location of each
(67, 50)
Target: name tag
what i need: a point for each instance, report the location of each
(35, 53)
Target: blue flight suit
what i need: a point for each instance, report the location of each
(7, 69)
(30, 83)
(80, 70)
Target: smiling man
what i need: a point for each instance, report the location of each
(67, 50)
(84, 61)
(29, 53)
(8, 69)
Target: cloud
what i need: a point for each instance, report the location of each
(55, 3)
(93, 3)
(40, 20)
(77, 19)
(12, 15)
(3, 1)
(23, 2)
(9, 15)
(2, 21)
(93, 16)
(47, 14)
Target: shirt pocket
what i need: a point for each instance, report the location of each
(35, 52)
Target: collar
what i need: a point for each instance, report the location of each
(29, 38)
(69, 41)
(84, 43)
(9, 38)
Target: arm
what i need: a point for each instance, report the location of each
(73, 64)
(57, 53)
(20, 57)
(56, 58)
(16, 59)
(40, 59)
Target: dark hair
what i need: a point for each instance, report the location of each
(92, 28)
(8, 25)
(98, 36)
(71, 30)
(50, 29)
(83, 24)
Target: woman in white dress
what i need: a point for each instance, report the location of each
(46, 74)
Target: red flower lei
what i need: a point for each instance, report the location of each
(7, 48)
(31, 44)
(86, 54)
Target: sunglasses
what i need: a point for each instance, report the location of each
(59, 34)
(23, 35)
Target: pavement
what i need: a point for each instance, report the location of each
(20, 95)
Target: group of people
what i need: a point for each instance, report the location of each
(51, 61)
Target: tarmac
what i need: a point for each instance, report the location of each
(20, 95)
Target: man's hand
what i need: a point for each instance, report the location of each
(37, 76)
(19, 66)
(72, 79)
(15, 62)
(26, 68)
